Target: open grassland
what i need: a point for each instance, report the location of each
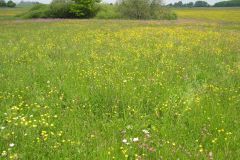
(7, 13)
(93, 89)
(211, 14)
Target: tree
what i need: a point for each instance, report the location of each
(135, 9)
(201, 4)
(84, 8)
(233, 3)
(11, 4)
(2, 3)
(190, 4)
(140, 9)
(60, 9)
(178, 4)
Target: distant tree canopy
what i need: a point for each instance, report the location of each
(3, 3)
(233, 3)
(190, 4)
(11, 4)
(201, 4)
(8, 4)
(178, 4)
(26, 3)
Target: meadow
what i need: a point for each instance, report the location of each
(210, 14)
(119, 89)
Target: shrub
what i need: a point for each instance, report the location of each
(167, 14)
(108, 12)
(60, 9)
(144, 9)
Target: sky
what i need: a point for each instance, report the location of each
(112, 1)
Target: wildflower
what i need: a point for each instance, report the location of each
(129, 127)
(11, 145)
(210, 155)
(2, 128)
(124, 141)
(135, 139)
(4, 153)
(145, 131)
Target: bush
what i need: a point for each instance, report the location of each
(167, 14)
(60, 9)
(63, 9)
(108, 12)
(144, 9)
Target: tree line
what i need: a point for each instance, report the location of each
(122, 9)
(10, 4)
(231, 3)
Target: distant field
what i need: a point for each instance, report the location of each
(9, 13)
(214, 14)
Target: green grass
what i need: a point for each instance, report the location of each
(83, 89)
(211, 14)
(10, 13)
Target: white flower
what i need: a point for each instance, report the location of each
(2, 128)
(129, 127)
(4, 153)
(135, 139)
(11, 144)
(145, 131)
(124, 141)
